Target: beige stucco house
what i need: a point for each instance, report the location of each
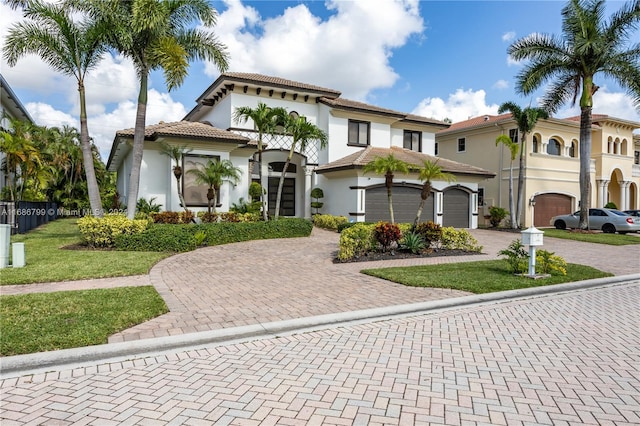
(552, 164)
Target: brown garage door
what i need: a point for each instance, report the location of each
(405, 205)
(455, 208)
(549, 205)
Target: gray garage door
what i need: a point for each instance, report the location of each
(455, 208)
(405, 205)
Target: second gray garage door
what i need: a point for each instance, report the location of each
(405, 205)
(455, 208)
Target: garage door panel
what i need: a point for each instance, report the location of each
(455, 208)
(405, 205)
(549, 205)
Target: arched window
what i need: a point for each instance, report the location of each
(535, 143)
(553, 147)
(572, 150)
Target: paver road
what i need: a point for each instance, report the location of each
(571, 358)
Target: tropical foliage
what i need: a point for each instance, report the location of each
(214, 174)
(387, 166)
(513, 153)
(175, 153)
(588, 48)
(429, 172)
(69, 47)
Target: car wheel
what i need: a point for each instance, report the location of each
(608, 228)
(560, 224)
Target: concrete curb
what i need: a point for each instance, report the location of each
(20, 365)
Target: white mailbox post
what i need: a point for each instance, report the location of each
(532, 237)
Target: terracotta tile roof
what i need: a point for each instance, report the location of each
(482, 120)
(360, 158)
(278, 82)
(186, 129)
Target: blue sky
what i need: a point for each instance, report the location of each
(441, 59)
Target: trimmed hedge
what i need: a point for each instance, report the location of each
(103, 231)
(181, 238)
(327, 221)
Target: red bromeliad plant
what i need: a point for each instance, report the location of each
(386, 234)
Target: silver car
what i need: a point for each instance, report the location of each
(606, 220)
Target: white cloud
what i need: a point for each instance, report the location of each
(614, 104)
(46, 115)
(501, 84)
(357, 39)
(508, 36)
(459, 106)
(512, 62)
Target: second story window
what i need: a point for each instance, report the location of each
(435, 150)
(462, 144)
(413, 140)
(636, 157)
(358, 132)
(513, 135)
(554, 147)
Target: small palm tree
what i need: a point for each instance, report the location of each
(265, 121)
(69, 47)
(513, 151)
(21, 154)
(301, 132)
(527, 119)
(387, 166)
(176, 153)
(588, 46)
(429, 172)
(214, 174)
(157, 35)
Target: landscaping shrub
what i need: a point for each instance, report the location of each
(166, 217)
(516, 256)
(159, 237)
(327, 221)
(549, 263)
(496, 215)
(180, 238)
(343, 226)
(413, 242)
(102, 232)
(430, 232)
(611, 205)
(229, 217)
(387, 234)
(355, 241)
(458, 239)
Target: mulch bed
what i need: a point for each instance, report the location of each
(373, 256)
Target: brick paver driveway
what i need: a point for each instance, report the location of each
(570, 358)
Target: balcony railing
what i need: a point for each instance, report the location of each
(281, 141)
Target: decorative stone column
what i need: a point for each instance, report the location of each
(624, 194)
(602, 191)
(308, 172)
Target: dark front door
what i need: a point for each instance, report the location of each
(288, 201)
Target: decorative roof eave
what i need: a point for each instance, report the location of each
(604, 118)
(11, 100)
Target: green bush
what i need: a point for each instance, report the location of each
(229, 217)
(549, 263)
(356, 240)
(496, 215)
(430, 232)
(459, 239)
(413, 242)
(611, 205)
(343, 226)
(516, 256)
(102, 232)
(179, 238)
(328, 221)
(159, 237)
(144, 206)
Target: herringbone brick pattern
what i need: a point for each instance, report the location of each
(563, 359)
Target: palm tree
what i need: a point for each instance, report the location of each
(301, 132)
(527, 119)
(157, 34)
(265, 121)
(20, 154)
(588, 46)
(176, 152)
(387, 166)
(429, 172)
(214, 174)
(69, 47)
(513, 151)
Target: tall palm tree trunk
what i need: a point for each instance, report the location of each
(138, 146)
(180, 195)
(87, 156)
(512, 210)
(585, 166)
(523, 148)
(424, 194)
(281, 182)
(263, 197)
(389, 184)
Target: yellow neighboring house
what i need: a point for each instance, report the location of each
(552, 166)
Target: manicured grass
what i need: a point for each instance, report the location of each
(68, 319)
(48, 261)
(600, 237)
(477, 277)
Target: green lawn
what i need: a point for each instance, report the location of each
(47, 260)
(68, 319)
(477, 277)
(599, 237)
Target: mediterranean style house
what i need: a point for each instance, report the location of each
(357, 133)
(552, 165)
(10, 106)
